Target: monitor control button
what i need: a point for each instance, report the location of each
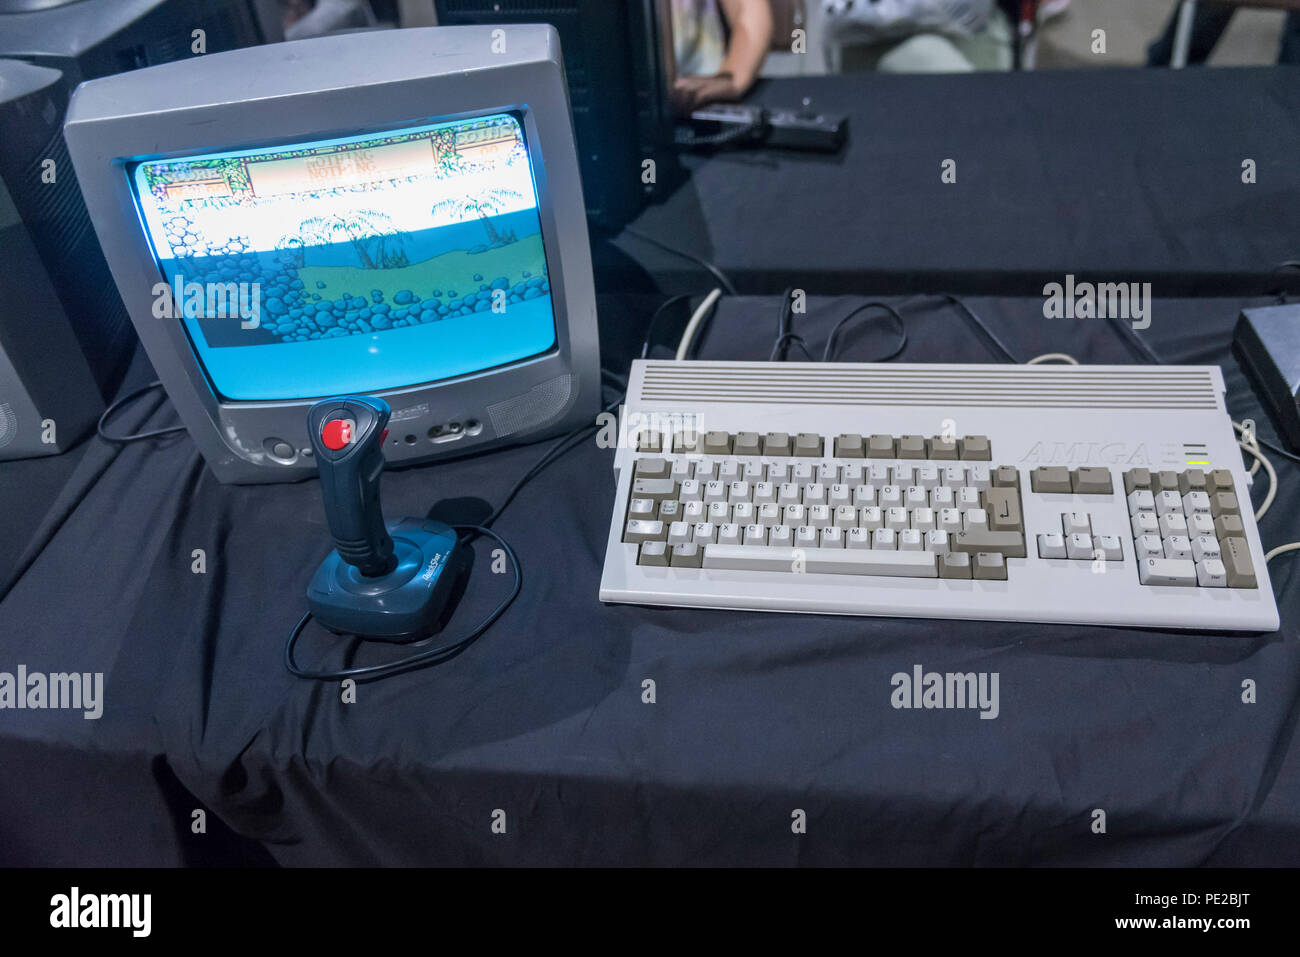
(280, 450)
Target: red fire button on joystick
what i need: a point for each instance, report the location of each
(337, 433)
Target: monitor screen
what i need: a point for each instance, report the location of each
(356, 264)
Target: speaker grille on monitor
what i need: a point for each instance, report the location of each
(537, 406)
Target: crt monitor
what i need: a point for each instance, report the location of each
(396, 214)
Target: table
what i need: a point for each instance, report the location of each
(756, 716)
(1119, 174)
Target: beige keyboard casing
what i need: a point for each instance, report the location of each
(1116, 417)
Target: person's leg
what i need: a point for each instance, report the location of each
(1208, 24)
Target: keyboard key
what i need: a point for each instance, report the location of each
(746, 443)
(1205, 547)
(688, 440)
(1050, 478)
(954, 565)
(950, 520)
(780, 535)
(1137, 479)
(1237, 563)
(1199, 524)
(927, 476)
(764, 493)
(857, 538)
(717, 443)
(846, 516)
(1224, 503)
(1009, 544)
(989, 566)
(917, 496)
(669, 511)
(814, 493)
(769, 513)
(728, 471)
(1211, 573)
(954, 476)
(976, 448)
(778, 472)
(979, 477)
(819, 516)
(1177, 546)
(738, 492)
(849, 445)
(852, 475)
(1072, 522)
(805, 536)
(1164, 481)
(1051, 545)
(777, 444)
(828, 474)
(975, 520)
(679, 533)
(1172, 523)
(1006, 476)
(911, 447)
(968, 498)
(902, 476)
(871, 517)
(897, 518)
(742, 513)
(1092, 481)
(880, 447)
(864, 495)
(1149, 546)
(808, 445)
(824, 561)
(936, 541)
(923, 519)
(718, 512)
(1003, 506)
(941, 449)
(838, 495)
(890, 496)
(639, 530)
(884, 538)
(649, 441)
(1141, 500)
(703, 533)
(1196, 503)
(1167, 502)
(1167, 571)
(910, 540)
(1145, 523)
(1110, 547)
(789, 493)
(642, 508)
(795, 515)
(1220, 480)
(1193, 480)
(943, 497)
(832, 537)
(1078, 546)
(653, 553)
(1229, 526)
(693, 512)
(651, 468)
(688, 555)
(657, 489)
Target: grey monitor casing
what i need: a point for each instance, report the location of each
(340, 86)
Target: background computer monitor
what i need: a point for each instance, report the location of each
(403, 207)
(619, 61)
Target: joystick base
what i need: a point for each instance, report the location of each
(405, 605)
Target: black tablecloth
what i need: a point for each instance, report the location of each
(1118, 174)
(756, 715)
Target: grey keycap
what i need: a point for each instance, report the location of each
(1193, 480)
(849, 446)
(911, 447)
(655, 468)
(687, 555)
(954, 565)
(989, 566)
(808, 444)
(657, 489)
(777, 443)
(1224, 503)
(649, 441)
(1220, 480)
(1050, 478)
(688, 441)
(639, 531)
(1009, 544)
(1003, 507)
(1229, 526)
(653, 553)
(976, 448)
(880, 447)
(1091, 481)
(1235, 555)
(1166, 480)
(1135, 479)
(717, 443)
(941, 449)
(747, 443)
(1006, 476)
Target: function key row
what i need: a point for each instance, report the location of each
(877, 473)
(847, 445)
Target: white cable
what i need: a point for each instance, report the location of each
(697, 317)
(1254, 466)
(1272, 478)
(1052, 357)
(1293, 546)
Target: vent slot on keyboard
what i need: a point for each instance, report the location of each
(1000, 387)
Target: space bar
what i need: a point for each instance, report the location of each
(824, 561)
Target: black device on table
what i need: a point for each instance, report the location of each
(804, 128)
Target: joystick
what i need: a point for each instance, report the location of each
(386, 582)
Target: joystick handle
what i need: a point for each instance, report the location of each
(347, 435)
